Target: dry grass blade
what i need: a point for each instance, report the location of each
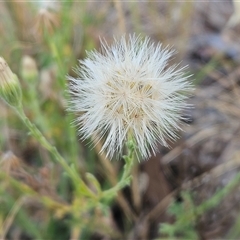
(161, 206)
(196, 138)
(213, 173)
(121, 18)
(10, 217)
(205, 177)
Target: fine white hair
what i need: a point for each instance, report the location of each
(129, 89)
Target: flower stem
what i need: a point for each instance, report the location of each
(38, 116)
(126, 176)
(78, 182)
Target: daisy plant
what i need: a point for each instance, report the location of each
(126, 97)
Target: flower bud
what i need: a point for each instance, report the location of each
(29, 70)
(10, 89)
(46, 22)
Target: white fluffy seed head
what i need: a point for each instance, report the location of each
(129, 89)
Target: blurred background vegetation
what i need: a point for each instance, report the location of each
(190, 191)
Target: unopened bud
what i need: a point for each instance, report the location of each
(47, 22)
(29, 69)
(10, 89)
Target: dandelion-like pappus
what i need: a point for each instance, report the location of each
(129, 89)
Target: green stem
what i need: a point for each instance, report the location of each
(38, 116)
(63, 69)
(126, 176)
(79, 184)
